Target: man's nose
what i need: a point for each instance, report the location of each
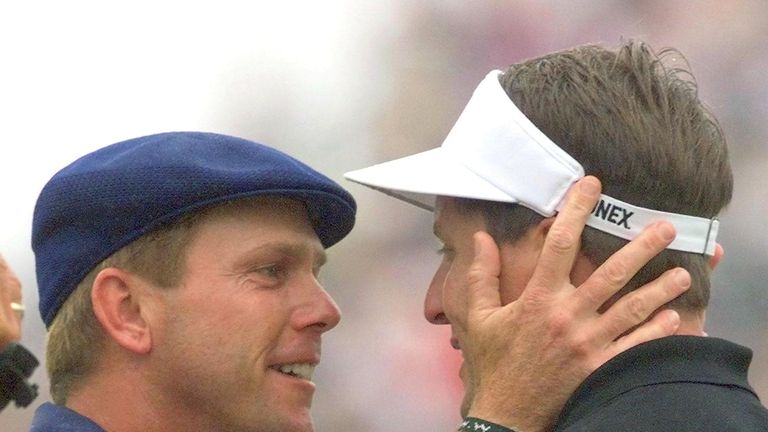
(318, 310)
(433, 301)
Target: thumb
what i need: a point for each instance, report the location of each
(483, 275)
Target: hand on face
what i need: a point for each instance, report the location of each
(526, 358)
(10, 292)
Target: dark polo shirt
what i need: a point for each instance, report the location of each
(677, 383)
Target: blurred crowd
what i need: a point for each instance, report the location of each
(396, 75)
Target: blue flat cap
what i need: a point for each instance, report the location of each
(109, 198)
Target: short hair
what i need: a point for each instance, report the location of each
(76, 337)
(636, 124)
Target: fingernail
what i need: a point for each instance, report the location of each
(682, 278)
(590, 187)
(667, 231)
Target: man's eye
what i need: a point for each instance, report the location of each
(271, 271)
(444, 250)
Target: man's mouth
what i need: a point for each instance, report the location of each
(297, 370)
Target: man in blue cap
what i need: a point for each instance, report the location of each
(178, 279)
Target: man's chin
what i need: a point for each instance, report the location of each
(465, 404)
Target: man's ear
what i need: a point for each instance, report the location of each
(715, 260)
(542, 228)
(582, 266)
(120, 302)
(546, 223)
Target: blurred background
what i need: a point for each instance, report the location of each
(343, 84)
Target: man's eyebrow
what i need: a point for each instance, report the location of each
(298, 250)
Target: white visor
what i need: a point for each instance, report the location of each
(477, 161)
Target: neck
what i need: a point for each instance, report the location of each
(113, 401)
(691, 323)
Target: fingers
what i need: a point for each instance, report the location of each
(664, 323)
(10, 292)
(483, 274)
(563, 240)
(10, 286)
(617, 270)
(635, 307)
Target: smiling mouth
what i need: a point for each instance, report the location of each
(296, 370)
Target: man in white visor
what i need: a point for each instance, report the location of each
(495, 185)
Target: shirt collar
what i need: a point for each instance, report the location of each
(57, 418)
(671, 359)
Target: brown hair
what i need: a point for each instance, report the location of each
(76, 337)
(637, 125)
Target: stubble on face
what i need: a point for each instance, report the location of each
(455, 226)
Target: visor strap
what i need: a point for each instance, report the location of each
(627, 221)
